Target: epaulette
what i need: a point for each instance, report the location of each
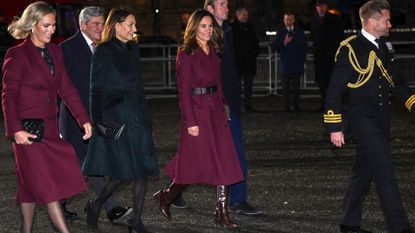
(342, 44)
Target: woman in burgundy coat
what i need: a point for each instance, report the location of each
(206, 152)
(33, 75)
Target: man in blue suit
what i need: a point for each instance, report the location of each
(77, 52)
(292, 46)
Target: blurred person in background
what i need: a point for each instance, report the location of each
(326, 34)
(291, 43)
(34, 75)
(246, 51)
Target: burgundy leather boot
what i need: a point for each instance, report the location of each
(221, 213)
(166, 196)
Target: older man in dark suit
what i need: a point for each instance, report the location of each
(77, 51)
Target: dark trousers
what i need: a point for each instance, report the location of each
(374, 162)
(238, 191)
(291, 89)
(248, 87)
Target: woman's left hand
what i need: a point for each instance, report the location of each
(88, 131)
(194, 130)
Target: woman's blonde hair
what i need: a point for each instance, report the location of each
(190, 44)
(21, 27)
(116, 15)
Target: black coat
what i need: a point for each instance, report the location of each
(117, 95)
(246, 47)
(326, 38)
(77, 56)
(368, 103)
(231, 84)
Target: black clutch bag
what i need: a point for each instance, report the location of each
(34, 126)
(111, 130)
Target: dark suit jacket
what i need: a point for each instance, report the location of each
(368, 105)
(231, 84)
(77, 56)
(292, 55)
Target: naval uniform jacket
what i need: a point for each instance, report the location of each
(368, 95)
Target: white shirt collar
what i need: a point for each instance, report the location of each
(88, 41)
(370, 37)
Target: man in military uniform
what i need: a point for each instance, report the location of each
(364, 68)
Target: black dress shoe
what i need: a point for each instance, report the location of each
(243, 208)
(119, 212)
(352, 229)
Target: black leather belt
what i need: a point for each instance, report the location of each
(203, 90)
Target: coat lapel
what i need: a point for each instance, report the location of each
(38, 59)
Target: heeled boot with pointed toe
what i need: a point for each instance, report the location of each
(166, 196)
(221, 212)
(92, 215)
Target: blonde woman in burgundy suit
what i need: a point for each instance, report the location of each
(33, 76)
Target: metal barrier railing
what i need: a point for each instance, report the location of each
(159, 73)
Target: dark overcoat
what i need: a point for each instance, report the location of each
(210, 157)
(246, 47)
(117, 95)
(326, 37)
(230, 81)
(49, 170)
(77, 56)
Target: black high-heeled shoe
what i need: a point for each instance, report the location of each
(92, 216)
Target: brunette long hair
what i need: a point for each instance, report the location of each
(116, 15)
(190, 44)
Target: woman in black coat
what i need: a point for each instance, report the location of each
(123, 147)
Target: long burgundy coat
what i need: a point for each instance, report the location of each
(46, 171)
(210, 157)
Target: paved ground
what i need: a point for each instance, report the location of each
(296, 177)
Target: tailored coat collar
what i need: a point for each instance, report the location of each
(32, 49)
